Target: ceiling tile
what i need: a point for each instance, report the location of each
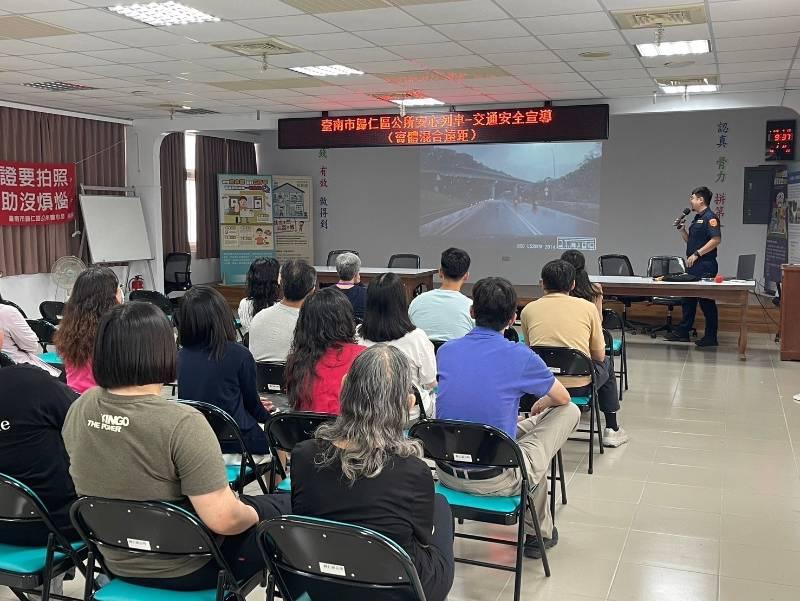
(522, 58)
(127, 55)
(755, 76)
(71, 59)
(223, 31)
(144, 38)
(454, 62)
(520, 44)
(616, 74)
(230, 63)
(657, 62)
(539, 68)
(386, 66)
(438, 13)
(429, 50)
(590, 66)
(765, 54)
(749, 67)
(119, 71)
(614, 52)
(22, 48)
(616, 5)
(581, 40)
(172, 67)
(20, 63)
(59, 74)
(36, 6)
(378, 18)
(753, 9)
(772, 84)
(191, 51)
(598, 21)
(327, 41)
(291, 25)
(757, 42)
(557, 88)
(773, 25)
(542, 78)
(403, 35)
(88, 20)
(570, 95)
(300, 59)
(349, 55)
(79, 42)
(539, 8)
(482, 30)
(243, 9)
(671, 34)
(691, 70)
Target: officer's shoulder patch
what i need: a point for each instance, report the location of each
(713, 222)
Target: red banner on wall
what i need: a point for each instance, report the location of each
(36, 193)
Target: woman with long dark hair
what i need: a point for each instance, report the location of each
(262, 290)
(323, 349)
(95, 292)
(214, 368)
(386, 320)
(361, 469)
(583, 287)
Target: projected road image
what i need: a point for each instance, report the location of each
(511, 191)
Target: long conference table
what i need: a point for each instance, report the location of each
(411, 277)
(730, 292)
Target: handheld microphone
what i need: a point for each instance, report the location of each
(679, 221)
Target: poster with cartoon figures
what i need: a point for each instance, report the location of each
(291, 206)
(793, 210)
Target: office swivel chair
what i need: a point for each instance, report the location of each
(659, 266)
(332, 256)
(621, 265)
(177, 272)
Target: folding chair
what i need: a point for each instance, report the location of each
(565, 361)
(437, 344)
(310, 558)
(619, 347)
(270, 377)
(154, 298)
(227, 431)
(456, 444)
(621, 265)
(24, 569)
(332, 255)
(156, 530)
(51, 311)
(284, 432)
(44, 331)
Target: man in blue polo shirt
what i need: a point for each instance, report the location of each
(481, 379)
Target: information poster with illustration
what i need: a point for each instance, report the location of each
(793, 214)
(247, 230)
(291, 207)
(777, 247)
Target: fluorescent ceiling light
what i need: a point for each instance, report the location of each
(327, 70)
(674, 48)
(160, 14)
(691, 89)
(407, 102)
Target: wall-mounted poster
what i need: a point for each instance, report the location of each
(291, 208)
(246, 223)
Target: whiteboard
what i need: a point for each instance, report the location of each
(115, 229)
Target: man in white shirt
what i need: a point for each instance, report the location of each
(272, 329)
(444, 313)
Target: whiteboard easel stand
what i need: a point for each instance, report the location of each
(127, 191)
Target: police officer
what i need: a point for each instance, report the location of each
(702, 239)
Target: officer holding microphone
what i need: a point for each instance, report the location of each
(702, 239)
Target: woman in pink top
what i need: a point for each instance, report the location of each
(322, 351)
(95, 292)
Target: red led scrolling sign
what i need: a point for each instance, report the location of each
(538, 124)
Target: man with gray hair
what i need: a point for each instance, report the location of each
(348, 266)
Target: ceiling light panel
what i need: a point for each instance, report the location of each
(327, 70)
(674, 48)
(412, 102)
(163, 14)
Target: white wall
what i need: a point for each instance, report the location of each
(651, 162)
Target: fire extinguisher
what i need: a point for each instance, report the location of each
(136, 283)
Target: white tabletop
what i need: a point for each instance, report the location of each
(635, 281)
(379, 270)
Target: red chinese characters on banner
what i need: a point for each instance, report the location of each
(36, 193)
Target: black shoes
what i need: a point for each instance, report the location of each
(706, 342)
(532, 549)
(676, 336)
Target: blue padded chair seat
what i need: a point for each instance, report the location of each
(616, 345)
(234, 470)
(285, 485)
(480, 502)
(28, 560)
(117, 590)
(51, 358)
(581, 400)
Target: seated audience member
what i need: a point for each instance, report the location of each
(166, 451)
(583, 287)
(95, 292)
(272, 330)
(323, 349)
(262, 290)
(386, 320)
(482, 377)
(361, 469)
(33, 405)
(348, 266)
(443, 314)
(215, 369)
(558, 319)
(19, 341)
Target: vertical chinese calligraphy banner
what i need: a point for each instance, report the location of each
(777, 246)
(291, 208)
(246, 223)
(36, 193)
(793, 215)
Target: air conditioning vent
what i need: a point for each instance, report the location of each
(666, 17)
(197, 111)
(694, 80)
(268, 46)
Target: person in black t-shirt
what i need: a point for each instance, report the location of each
(348, 266)
(33, 405)
(360, 469)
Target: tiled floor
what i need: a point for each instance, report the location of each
(702, 505)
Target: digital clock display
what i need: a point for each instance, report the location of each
(780, 140)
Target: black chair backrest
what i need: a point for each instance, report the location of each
(15, 305)
(612, 320)
(331, 262)
(665, 265)
(154, 298)
(564, 361)
(460, 442)
(270, 377)
(178, 268)
(19, 504)
(286, 430)
(437, 344)
(614, 265)
(51, 311)
(608, 339)
(405, 261)
(511, 334)
(6, 361)
(44, 330)
(225, 427)
(319, 559)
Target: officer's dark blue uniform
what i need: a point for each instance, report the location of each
(704, 227)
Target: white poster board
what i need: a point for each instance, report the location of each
(115, 229)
